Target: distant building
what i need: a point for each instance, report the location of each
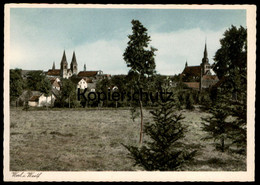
(64, 71)
(199, 77)
(41, 100)
(55, 82)
(67, 71)
(82, 83)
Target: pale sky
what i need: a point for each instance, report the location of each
(38, 36)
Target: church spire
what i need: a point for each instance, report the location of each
(74, 60)
(63, 66)
(73, 64)
(205, 51)
(205, 59)
(84, 67)
(186, 64)
(53, 66)
(64, 59)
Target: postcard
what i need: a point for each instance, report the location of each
(109, 93)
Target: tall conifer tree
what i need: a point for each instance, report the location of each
(162, 152)
(141, 61)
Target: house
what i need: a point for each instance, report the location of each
(55, 82)
(83, 74)
(83, 83)
(93, 75)
(26, 95)
(41, 100)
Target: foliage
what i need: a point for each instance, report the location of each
(45, 87)
(162, 152)
(34, 80)
(16, 83)
(217, 125)
(189, 101)
(230, 96)
(68, 92)
(205, 99)
(137, 57)
(134, 113)
(25, 103)
(231, 61)
(238, 110)
(141, 61)
(101, 86)
(26, 106)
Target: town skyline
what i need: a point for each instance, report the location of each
(38, 36)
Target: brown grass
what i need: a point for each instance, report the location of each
(90, 140)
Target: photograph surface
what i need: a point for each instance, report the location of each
(129, 92)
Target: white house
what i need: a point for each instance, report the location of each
(41, 100)
(55, 82)
(82, 84)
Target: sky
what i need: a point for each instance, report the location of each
(38, 36)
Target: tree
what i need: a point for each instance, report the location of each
(189, 101)
(231, 61)
(140, 59)
(68, 90)
(16, 84)
(217, 125)
(231, 67)
(45, 87)
(102, 86)
(239, 131)
(162, 152)
(34, 80)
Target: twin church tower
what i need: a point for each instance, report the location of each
(65, 71)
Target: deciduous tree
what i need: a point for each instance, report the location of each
(231, 61)
(17, 84)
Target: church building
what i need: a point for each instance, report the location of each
(199, 77)
(65, 70)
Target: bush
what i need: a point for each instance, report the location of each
(189, 101)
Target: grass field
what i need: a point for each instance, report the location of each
(90, 140)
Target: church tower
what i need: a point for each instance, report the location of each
(53, 66)
(205, 66)
(73, 64)
(63, 66)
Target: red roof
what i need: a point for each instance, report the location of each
(193, 85)
(209, 77)
(88, 80)
(192, 70)
(34, 98)
(87, 73)
(53, 72)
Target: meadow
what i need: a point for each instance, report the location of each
(91, 140)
